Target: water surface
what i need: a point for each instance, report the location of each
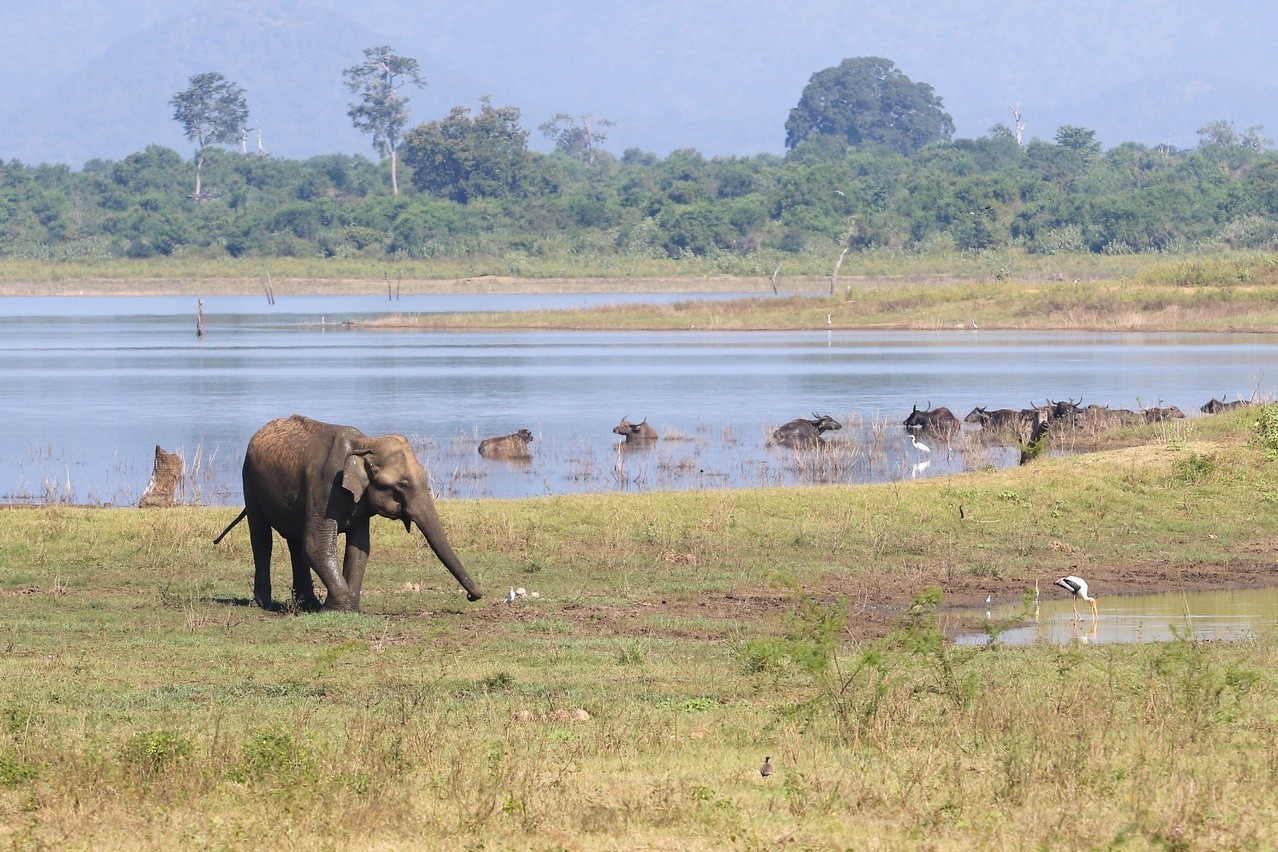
(92, 385)
(1200, 616)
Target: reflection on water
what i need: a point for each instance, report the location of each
(93, 385)
(1201, 616)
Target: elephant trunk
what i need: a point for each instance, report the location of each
(427, 520)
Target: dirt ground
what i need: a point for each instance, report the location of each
(876, 604)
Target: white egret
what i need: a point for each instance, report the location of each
(919, 445)
(510, 598)
(1077, 587)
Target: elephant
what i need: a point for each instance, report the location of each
(312, 481)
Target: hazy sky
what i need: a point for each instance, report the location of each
(716, 75)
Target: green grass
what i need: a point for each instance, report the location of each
(812, 271)
(1235, 294)
(145, 704)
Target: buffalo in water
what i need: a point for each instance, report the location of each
(512, 446)
(1002, 419)
(1216, 406)
(935, 421)
(636, 433)
(1158, 414)
(805, 433)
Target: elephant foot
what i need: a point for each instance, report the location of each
(266, 603)
(307, 604)
(331, 605)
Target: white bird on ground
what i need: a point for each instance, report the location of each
(919, 445)
(1077, 587)
(510, 598)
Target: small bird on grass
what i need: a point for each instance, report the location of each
(510, 598)
(766, 769)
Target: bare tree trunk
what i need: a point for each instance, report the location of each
(394, 177)
(199, 171)
(834, 276)
(1018, 121)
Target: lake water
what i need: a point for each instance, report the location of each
(91, 385)
(1204, 616)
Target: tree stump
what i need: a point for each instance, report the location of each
(165, 479)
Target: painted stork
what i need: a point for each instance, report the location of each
(1077, 587)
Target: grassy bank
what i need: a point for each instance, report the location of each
(200, 276)
(1203, 295)
(146, 704)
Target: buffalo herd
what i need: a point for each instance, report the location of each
(938, 422)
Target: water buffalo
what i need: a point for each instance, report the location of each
(1216, 405)
(805, 433)
(1103, 417)
(1001, 419)
(636, 433)
(1158, 415)
(936, 421)
(1067, 411)
(512, 446)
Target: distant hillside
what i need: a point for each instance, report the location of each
(287, 54)
(88, 79)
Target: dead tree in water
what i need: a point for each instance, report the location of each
(161, 491)
(1034, 447)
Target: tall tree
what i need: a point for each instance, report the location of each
(578, 138)
(870, 103)
(212, 111)
(382, 110)
(461, 158)
(1078, 138)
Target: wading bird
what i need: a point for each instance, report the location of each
(1077, 587)
(919, 445)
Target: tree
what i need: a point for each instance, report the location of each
(870, 103)
(382, 110)
(578, 138)
(463, 158)
(212, 111)
(1078, 139)
(1221, 134)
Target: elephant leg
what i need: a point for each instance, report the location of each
(303, 585)
(320, 546)
(356, 560)
(261, 537)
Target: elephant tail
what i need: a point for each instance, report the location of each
(231, 526)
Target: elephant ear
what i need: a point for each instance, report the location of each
(355, 474)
